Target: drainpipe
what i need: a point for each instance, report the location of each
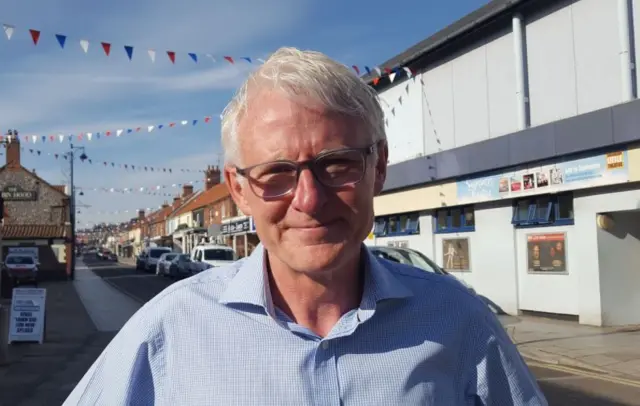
(519, 55)
(626, 64)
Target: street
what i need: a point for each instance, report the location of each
(561, 385)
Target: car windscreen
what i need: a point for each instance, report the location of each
(215, 254)
(169, 257)
(20, 260)
(156, 253)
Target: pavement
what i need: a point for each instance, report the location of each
(574, 365)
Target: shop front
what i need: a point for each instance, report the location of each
(240, 234)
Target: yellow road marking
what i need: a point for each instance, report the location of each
(587, 374)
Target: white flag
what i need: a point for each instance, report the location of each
(8, 29)
(184, 122)
(119, 133)
(89, 135)
(150, 128)
(84, 44)
(152, 55)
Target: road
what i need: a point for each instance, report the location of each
(563, 386)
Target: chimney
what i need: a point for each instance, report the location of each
(187, 190)
(141, 214)
(176, 202)
(165, 205)
(211, 177)
(13, 149)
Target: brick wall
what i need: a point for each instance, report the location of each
(213, 213)
(51, 207)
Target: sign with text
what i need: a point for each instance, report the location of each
(600, 170)
(27, 315)
(236, 226)
(16, 193)
(547, 253)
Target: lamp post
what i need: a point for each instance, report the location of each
(83, 157)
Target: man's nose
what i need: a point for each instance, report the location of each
(309, 195)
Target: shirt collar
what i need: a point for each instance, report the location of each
(250, 285)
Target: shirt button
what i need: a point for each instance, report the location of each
(325, 345)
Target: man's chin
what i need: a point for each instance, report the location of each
(312, 258)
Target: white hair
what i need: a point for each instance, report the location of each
(312, 76)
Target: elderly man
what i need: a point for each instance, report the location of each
(311, 317)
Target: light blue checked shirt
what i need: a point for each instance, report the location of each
(216, 339)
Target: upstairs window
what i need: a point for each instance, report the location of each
(455, 220)
(397, 224)
(540, 211)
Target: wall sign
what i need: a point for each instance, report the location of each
(27, 315)
(235, 227)
(547, 253)
(455, 254)
(600, 170)
(16, 193)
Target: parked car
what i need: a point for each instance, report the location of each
(415, 258)
(148, 258)
(213, 254)
(162, 268)
(183, 267)
(21, 269)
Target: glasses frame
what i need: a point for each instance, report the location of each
(310, 164)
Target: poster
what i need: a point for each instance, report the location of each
(546, 253)
(600, 170)
(455, 254)
(27, 315)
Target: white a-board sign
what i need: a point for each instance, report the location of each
(27, 315)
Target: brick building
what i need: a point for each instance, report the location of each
(36, 214)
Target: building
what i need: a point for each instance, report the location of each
(240, 233)
(36, 215)
(515, 155)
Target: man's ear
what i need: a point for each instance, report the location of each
(238, 188)
(381, 167)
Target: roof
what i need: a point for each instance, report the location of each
(186, 207)
(159, 215)
(16, 231)
(205, 198)
(464, 27)
(58, 188)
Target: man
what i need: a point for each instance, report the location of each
(311, 317)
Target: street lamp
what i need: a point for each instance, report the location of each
(83, 157)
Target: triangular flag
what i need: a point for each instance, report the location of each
(355, 68)
(378, 71)
(107, 47)
(129, 50)
(61, 137)
(409, 73)
(184, 122)
(172, 56)
(246, 58)
(152, 55)
(171, 125)
(207, 119)
(194, 57)
(8, 30)
(260, 60)
(84, 44)
(376, 81)
(35, 36)
(89, 135)
(34, 138)
(210, 56)
(228, 58)
(392, 76)
(150, 128)
(160, 126)
(195, 122)
(118, 133)
(61, 39)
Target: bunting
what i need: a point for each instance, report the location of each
(154, 190)
(110, 164)
(173, 56)
(91, 136)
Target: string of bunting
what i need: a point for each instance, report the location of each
(155, 190)
(108, 164)
(89, 136)
(172, 56)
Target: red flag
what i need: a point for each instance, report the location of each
(172, 56)
(108, 133)
(355, 68)
(228, 58)
(80, 136)
(207, 119)
(35, 36)
(172, 124)
(375, 81)
(138, 129)
(388, 71)
(107, 47)
(51, 137)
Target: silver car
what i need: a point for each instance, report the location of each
(21, 268)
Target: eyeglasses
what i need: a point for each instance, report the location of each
(333, 169)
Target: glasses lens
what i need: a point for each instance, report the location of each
(273, 179)
(340, 168)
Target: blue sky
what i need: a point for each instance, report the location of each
(48, 90)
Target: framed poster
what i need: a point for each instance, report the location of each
(455, 254)
(547, 253)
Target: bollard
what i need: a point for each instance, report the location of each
(4, 334)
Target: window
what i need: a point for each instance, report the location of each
(455, 220)
(548, 210)
(397, 224)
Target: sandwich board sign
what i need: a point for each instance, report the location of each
(27, 315)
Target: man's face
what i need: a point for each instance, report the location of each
(313, 228)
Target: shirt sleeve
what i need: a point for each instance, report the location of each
(498, 375)
(126, 371)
